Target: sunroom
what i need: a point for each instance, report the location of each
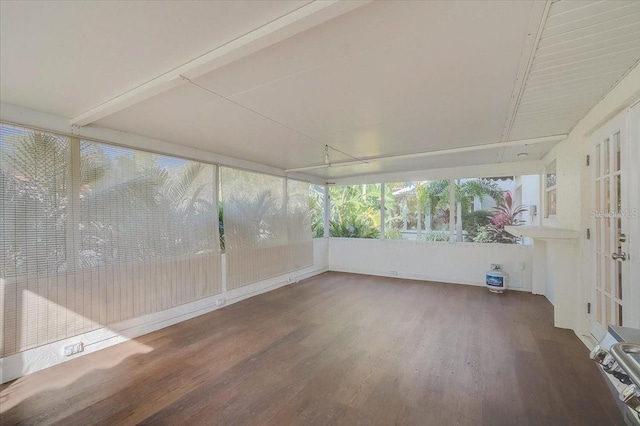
(320, 212)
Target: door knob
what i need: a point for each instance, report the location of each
(619, 256)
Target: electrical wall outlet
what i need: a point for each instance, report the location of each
(394, 273)
(73, 349)
(221, 302)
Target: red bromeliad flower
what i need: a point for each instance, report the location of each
(507, 199)
(499, 220)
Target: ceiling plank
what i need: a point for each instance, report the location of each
(288, 25)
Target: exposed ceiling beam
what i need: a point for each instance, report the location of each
(520, 142)
(293, 23)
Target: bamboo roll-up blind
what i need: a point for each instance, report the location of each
(267, 226)
(93, 234)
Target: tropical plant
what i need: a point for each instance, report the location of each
(129, 207)
(435, 236)
(472, 222)
(482, 235)
(505, 215)
(433, 198)
(354, 228)
(437, 192)
(355, 211)
(316, 210)
(254, 222)
(34, 189)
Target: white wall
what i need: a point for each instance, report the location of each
(574, 192)
(530, 185)
(36, 359)
(459, 263)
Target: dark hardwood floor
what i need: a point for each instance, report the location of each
(334, 349)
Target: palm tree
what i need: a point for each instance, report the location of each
(141, 210)
(34, 189)
(316, 208)
(129, 207)
(434, 196)
(187, 198)
(355, 211)
(254, 222)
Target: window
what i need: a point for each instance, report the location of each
(267, 225)
(355, 211)
(141, 206)
(486, 206)
(417, 210)
(550, 189)
(298, 220)
(34, 181)
(93, 234)
(316, 207)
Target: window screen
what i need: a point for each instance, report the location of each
(263, 229)
(92, 234)
(34, 172)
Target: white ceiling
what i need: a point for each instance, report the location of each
(586, 47)
(66, 57)
(384, 79)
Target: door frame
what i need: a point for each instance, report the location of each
(618, 123)
(633, 137)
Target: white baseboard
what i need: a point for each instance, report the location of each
(589, 341)
(417, 277)
(27, 362)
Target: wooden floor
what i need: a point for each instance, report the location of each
(334, 349)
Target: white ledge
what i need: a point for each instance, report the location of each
(543, 232)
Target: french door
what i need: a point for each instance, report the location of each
(610, 224)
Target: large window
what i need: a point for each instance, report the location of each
(140, 206)
(266, 225)
(34, 203)
(481, 208)
(93, 234)
(355, 211)
(486, 206)
(316, 207)
(417, 210)
(422, 210)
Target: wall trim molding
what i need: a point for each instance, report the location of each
(36, 359)
(416, 277)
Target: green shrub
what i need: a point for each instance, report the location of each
(482, 235)
(473, 221)
(435, 236)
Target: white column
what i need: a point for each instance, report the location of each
(404, 214)
(459, 221)
(382, 212)
(452, 211)
(327, 211)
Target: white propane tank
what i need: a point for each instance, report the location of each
(496, 279)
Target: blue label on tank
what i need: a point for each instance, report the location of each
(495, 281)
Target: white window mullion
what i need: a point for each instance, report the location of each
(73, 206)
(382, 212)
(452, 211)
(327, 212)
